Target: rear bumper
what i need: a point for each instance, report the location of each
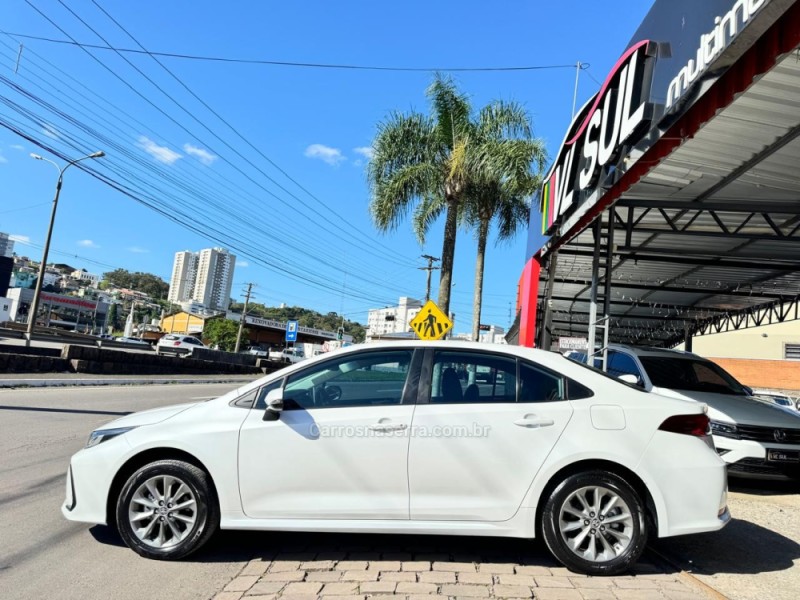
(691, 481)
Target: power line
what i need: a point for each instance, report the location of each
(280, 63)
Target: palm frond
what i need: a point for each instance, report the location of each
(451, 109)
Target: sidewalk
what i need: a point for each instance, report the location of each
(15, 380)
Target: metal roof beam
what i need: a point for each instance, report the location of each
(689, 260)
(742, 292)
(756, 206)
(628, 304)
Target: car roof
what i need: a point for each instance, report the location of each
(651, 351)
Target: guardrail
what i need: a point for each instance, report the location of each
(59, 336)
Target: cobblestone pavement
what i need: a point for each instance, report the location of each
(334, 567)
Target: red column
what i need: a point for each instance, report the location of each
(528, 301)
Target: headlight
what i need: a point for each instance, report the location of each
(724, 429)
(103, 435)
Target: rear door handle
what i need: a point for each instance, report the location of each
(532, 422)
(387, 425)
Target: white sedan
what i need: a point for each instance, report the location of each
(427, 438)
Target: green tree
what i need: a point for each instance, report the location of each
(500, 191)
(112, 320)
(421, 158)
(150, 284)
(223, 332)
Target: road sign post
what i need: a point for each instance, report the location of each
(291, 331)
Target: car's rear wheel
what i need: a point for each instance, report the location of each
(167, 510)
(594, 523)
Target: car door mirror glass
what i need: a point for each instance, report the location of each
(274, 402)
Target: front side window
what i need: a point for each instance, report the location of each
(690, 375)
(362, 379)
(622, 364)
(472, 377)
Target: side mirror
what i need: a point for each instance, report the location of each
(630, 378)
(274, 405)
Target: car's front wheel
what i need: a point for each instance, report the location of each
(594, 523)
(167, 510)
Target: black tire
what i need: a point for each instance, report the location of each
(206, 514)
(564, 496)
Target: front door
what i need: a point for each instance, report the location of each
(340, 447)
(488, 425)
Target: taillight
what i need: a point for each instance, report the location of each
(697, 425)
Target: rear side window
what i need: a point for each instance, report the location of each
(537, 385)
(473, 378)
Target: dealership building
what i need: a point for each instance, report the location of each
(672, 207)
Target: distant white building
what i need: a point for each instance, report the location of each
(204, 278)
(184, 272)
(492, 334)
(392, 319)
(6, 245)
(214, 281)
(85, 278)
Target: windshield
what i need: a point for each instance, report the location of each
(690, 375)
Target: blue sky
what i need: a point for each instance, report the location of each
(313, 124)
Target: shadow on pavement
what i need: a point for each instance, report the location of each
(228, 546)
(741, 548)
(763, 487)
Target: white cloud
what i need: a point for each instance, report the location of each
(242, 263)
(138, 250)
(22, 239)
(51, 131)
(365, 151)
(19, 147)
(3, 159)
(204, 156)
(332, 156)
(87, 244)
(160, 153)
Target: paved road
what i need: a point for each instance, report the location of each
(44, 556)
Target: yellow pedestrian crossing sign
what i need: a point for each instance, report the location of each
(430, 322)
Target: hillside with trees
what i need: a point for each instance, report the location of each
(150, 284)
(305, 317)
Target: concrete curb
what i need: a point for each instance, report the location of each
(24, 383)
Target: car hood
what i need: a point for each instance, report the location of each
(743, 410)
(150, 417)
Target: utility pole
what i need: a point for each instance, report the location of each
(429, 268)
(244, 315)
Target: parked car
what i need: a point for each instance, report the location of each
(755, 437)
(775, 398)
(173, 343)
(287, 355)
(258, 351)
(387, 438)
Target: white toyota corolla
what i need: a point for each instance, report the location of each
(430, 438)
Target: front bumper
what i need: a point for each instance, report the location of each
(748, 458)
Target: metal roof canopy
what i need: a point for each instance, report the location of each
(707, 240)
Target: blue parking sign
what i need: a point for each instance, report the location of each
(291, 331)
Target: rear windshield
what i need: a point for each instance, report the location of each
(577, 361)
(690, 375)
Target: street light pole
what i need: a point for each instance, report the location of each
(34, 308)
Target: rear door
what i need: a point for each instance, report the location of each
(481, 431)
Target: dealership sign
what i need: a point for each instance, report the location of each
(712, 44)
(597, 137)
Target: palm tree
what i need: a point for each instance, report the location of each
(425, 159)
(511, 172)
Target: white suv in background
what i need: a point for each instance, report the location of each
(755, 437)
(174, 343)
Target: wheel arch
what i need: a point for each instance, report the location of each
(141, 459)
(606, 465)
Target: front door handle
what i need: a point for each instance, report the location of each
(533, 422)
(387, 425)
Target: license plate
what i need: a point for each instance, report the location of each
(790, 456)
